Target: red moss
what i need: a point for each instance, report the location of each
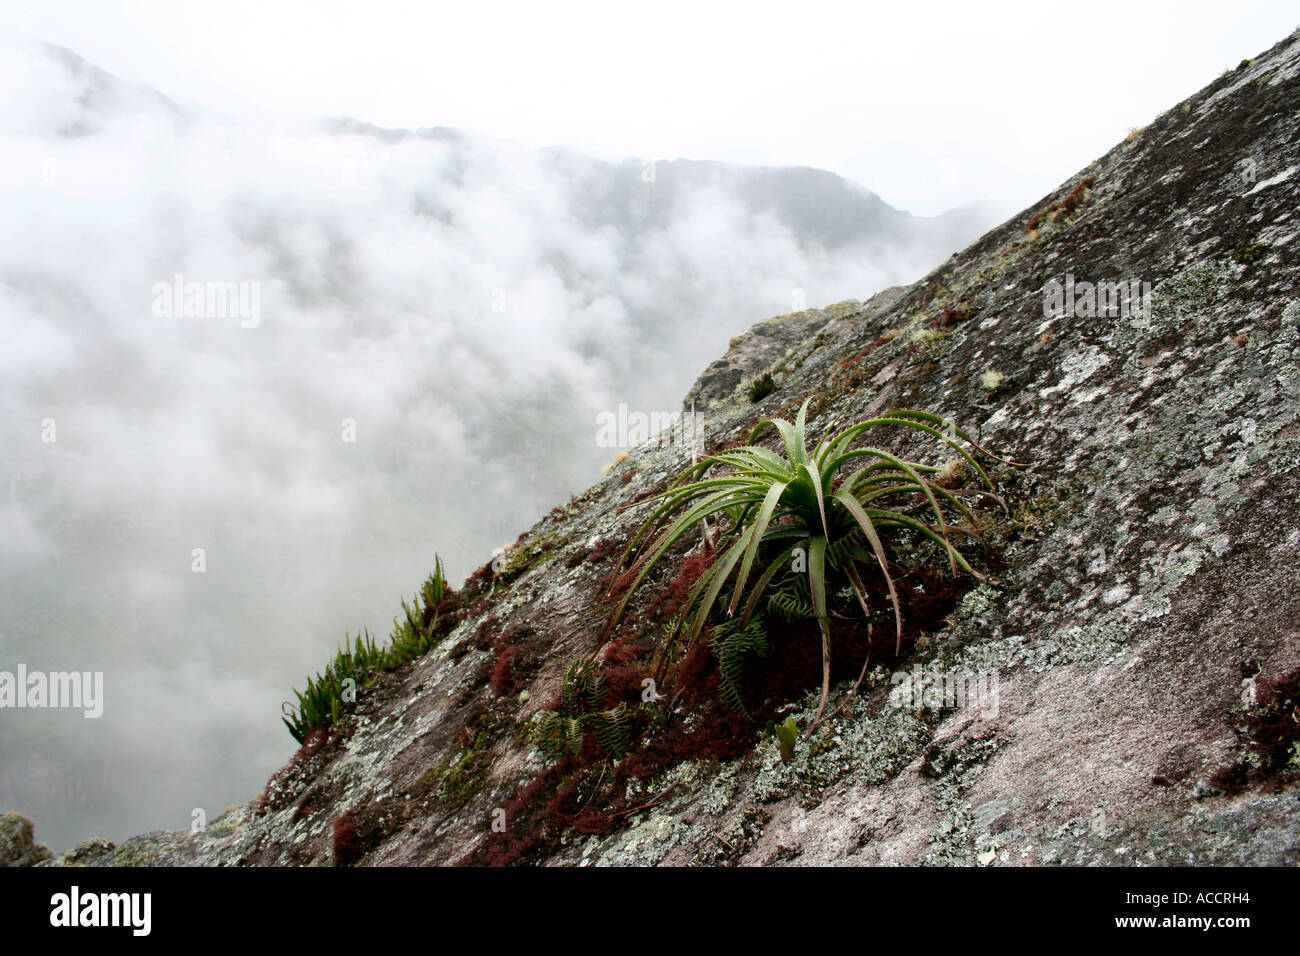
(1269, 731)
(530, 824)
(673, 597)
(519, 655)
(1066, 207)
(1072, 201)
(622, 675)
(849, 361)
(620, 652)
(480, 580)
(612, 588)
(605, 549)
(348, 847)
(580, 794)
(501, 680)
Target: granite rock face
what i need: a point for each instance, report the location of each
(1143, 622)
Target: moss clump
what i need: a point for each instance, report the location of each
(761, 387)
(523, 557)
(1247, 255)
(17, 844)
(347, 842)
(463, 778)
(1034, 518)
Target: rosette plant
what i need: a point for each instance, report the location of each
(822, 511)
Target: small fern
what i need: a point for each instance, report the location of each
(613, 729)
(731, 644)
(582, 712)
(584, 687)
(792, 601)
(556, 733)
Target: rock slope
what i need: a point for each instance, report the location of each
(1141, 628)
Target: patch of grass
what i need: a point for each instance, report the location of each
(358, 663)
(761, 387)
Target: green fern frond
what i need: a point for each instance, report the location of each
(792, 601)
(613, 729)
(731, 644)
(574, 731)
(847, 549)
(582, 712)
(550, 733)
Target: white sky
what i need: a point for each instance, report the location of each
(929, 104)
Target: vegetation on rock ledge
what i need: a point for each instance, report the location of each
(360, 662)
(799, 528)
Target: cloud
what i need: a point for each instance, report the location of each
(468, 306)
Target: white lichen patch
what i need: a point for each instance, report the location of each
(1120, 592)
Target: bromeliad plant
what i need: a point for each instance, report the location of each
(822, 511)
(321, 703)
